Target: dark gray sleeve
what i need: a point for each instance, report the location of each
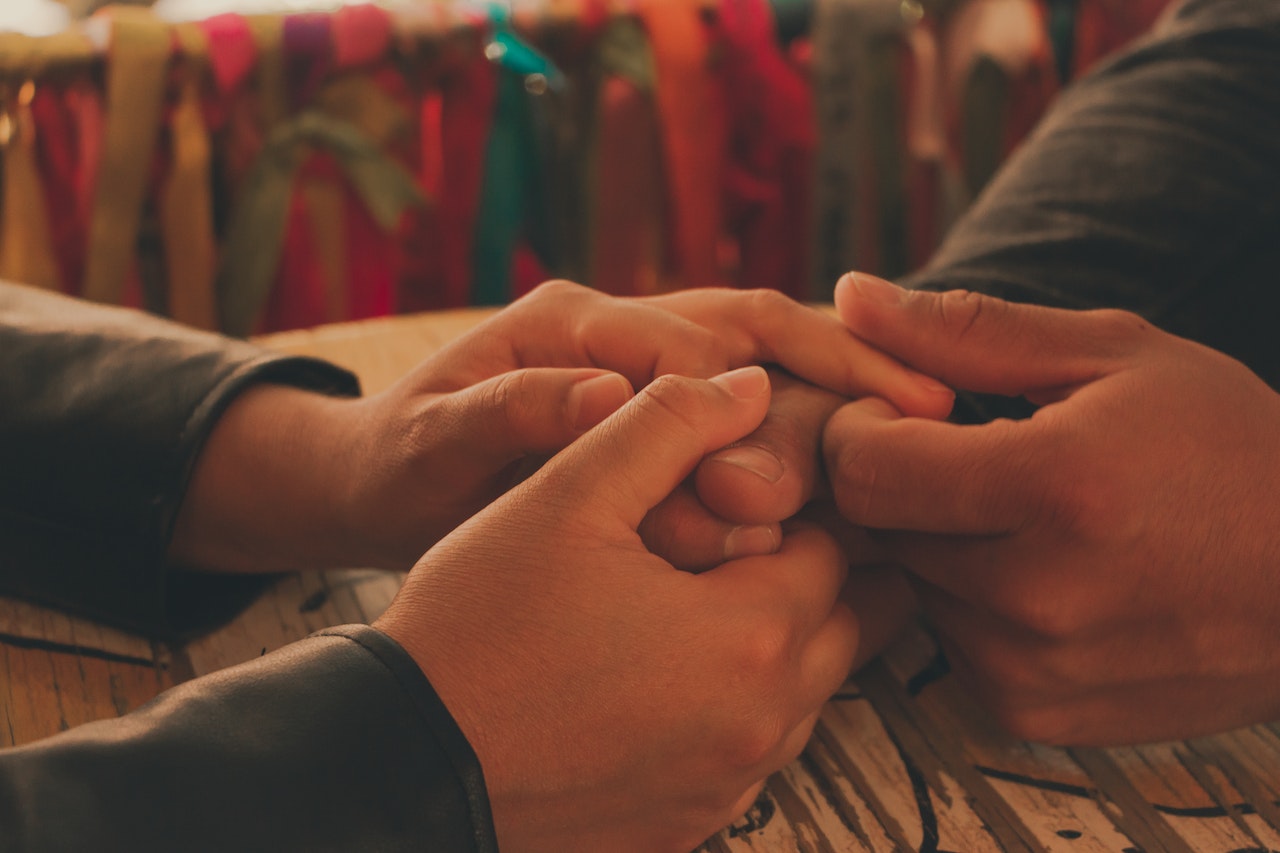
(103, 412)
(335, 743)
(1153, 185)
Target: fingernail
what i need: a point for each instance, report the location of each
(745, 382)
(763, 463)
(933, 386)
(875, 289)
(592, 400)
(750, 541)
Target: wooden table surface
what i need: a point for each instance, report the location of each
(901, 759)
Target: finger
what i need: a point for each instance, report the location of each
(829, 656)
(769, 475)
(744, 803)
(561, 324)
(860, 544)
(793, 744)
(796, 588)
(913, 474)
(689, 536)
(639, 455)
(1015, 576)
(538, 410)
(985, 344)
(767, 327)
(884, 605)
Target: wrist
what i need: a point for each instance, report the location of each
(268, 492)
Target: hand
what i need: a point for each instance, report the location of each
(615, 702)
(773, 474)
(1105, 571)
(292, 481)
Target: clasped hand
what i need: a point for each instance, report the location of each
(1102, 572)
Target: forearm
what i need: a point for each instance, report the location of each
(269, 490)
(103, 414)
(334, 743)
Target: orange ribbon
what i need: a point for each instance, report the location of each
(26, 244)
(693, 132)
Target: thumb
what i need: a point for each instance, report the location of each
(981, 343)
(637, 457)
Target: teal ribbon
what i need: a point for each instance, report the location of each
(1062, 32)
(511, 200)
(515, 54)
(259, 221)
(511, 165)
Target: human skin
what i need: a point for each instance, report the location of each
(614, 701)
(1101, 573)
(291, 480)
(1104, 571)
(776, 473)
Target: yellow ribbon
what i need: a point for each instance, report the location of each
(136, 75)
(26, 246)
(268, 38)
(186, 200)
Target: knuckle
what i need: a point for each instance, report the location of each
(855, 482)
(555, 289)
(763, 654)
(675, 398)
(961, 310)
(1038, 725)
(1053, 611)
(1009, 674)
(766, 307)
(753, 742)
(1117, 324)
(514, 401)
(698, 352)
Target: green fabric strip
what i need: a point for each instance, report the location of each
(259, 222)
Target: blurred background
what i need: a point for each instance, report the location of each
(256, 165)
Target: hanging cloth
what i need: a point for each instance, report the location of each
(259, 223)
(307, 44)
(136, 77)
(1061, 15)
(26, 244)
(1000, 64)
(927, 180)
(851, 76)
(1103, 27)
(355, 263)
(272, 87)
(467, 108)
(510, 192)
(361, 35)
(509, 163)
(770, 151)
(186, 201)
(691, 112)
(232, 50)
(59, 159)
(625, 225)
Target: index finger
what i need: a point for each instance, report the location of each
(561, 324)
(898, 473)
(765, 326)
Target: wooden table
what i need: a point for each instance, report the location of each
(901, 759)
